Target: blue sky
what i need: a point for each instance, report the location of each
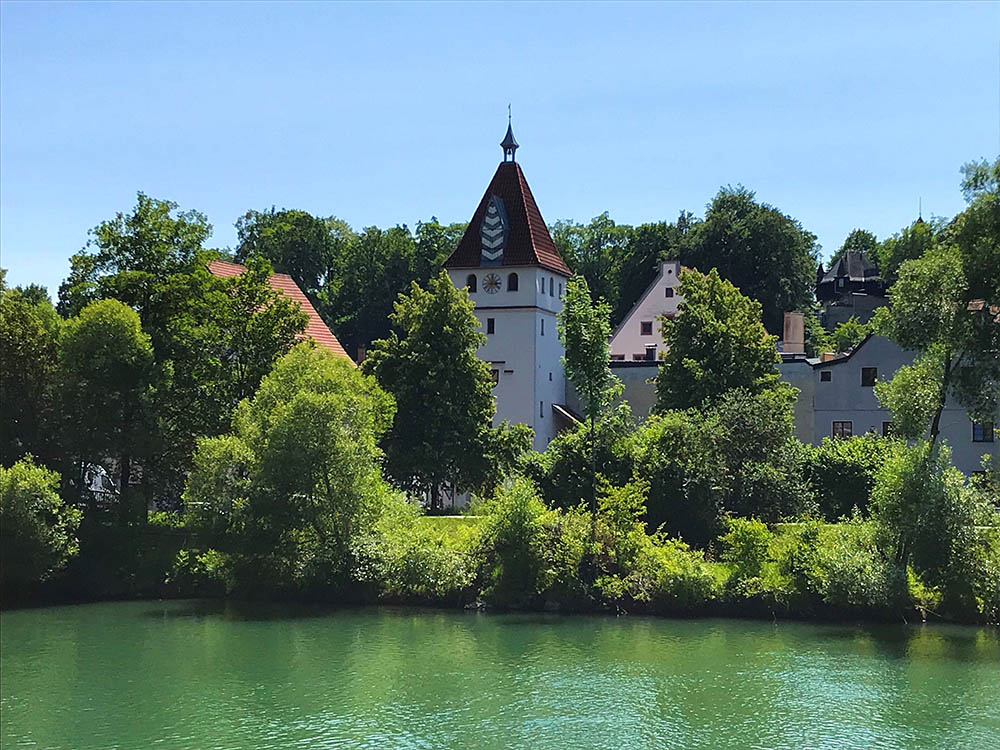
(841, 115)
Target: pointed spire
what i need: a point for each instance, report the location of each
(508, 144)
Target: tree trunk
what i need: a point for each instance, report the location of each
(942, 397)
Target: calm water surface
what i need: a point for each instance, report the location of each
(209, 675)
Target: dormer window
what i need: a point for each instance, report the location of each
(470, 283)
(512, 282)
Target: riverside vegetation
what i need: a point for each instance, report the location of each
(284, 472)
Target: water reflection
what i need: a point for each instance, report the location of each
(211, 674)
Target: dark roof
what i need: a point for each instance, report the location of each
(853, 265)
(316, 329)
(528, 242)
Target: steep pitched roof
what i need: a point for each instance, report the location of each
(528, 242)
(316, 329)
(853, 265)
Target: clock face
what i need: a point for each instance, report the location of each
(491, 283)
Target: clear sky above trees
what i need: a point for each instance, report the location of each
(840, 115)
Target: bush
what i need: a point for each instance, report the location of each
(931, 520)
(411, 559)
(37, 529)
(841, 473)
(563, 472)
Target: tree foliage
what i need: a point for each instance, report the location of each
(944, 306)
(764, 253)
(443, 391)
(296, 484)
(29, 335)
(37, 529)
(859, 240)
(715, 344)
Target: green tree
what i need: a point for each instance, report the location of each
(584, 330)
(848, 334)
(29, 333)
(859, 240)
(296, 243)
(373, 271)
(443, 391)
(593, 251)
(932, 522)
(213, 338)
(296, 486)
(909, 244)
(766, 254)
(716, 343)
(37, 529)
(106, 374)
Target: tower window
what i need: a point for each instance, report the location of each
(543, 326)
(490, 325)
(552, 287)
(646, 328)
(512, 282)
(560, 290)
(550, 377)
(668, 292)
(470, 283)
(541, 408)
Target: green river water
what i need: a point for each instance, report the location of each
(205, 675)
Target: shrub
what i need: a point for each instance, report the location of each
(37, 529)
(409, 559)
(841, 473)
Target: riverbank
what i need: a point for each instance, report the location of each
(808, 572)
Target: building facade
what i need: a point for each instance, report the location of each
(516, 277)
(638, 337)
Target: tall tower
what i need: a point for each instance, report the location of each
(517, 278)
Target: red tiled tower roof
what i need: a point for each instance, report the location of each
(528, 242)
(316, 329)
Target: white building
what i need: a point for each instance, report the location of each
(516, 277)
(638, 336)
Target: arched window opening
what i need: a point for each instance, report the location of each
(512, 282)
(470, 283)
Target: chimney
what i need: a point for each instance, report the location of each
(794, 333)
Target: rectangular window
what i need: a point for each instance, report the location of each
(560, 290)
(982, 432)
(617, 357)
(651, 353)
(888, 429)
(842, 429)
(552, 287)
(825, 376)
(490, 325)
(639, 357)
(543, 326)
(541, 408)
(668, 292)
(868, 376)
(646, 328)
(550, 377)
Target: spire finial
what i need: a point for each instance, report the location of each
(508, 144)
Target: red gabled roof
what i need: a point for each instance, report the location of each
(316, 329)
(528, 240)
